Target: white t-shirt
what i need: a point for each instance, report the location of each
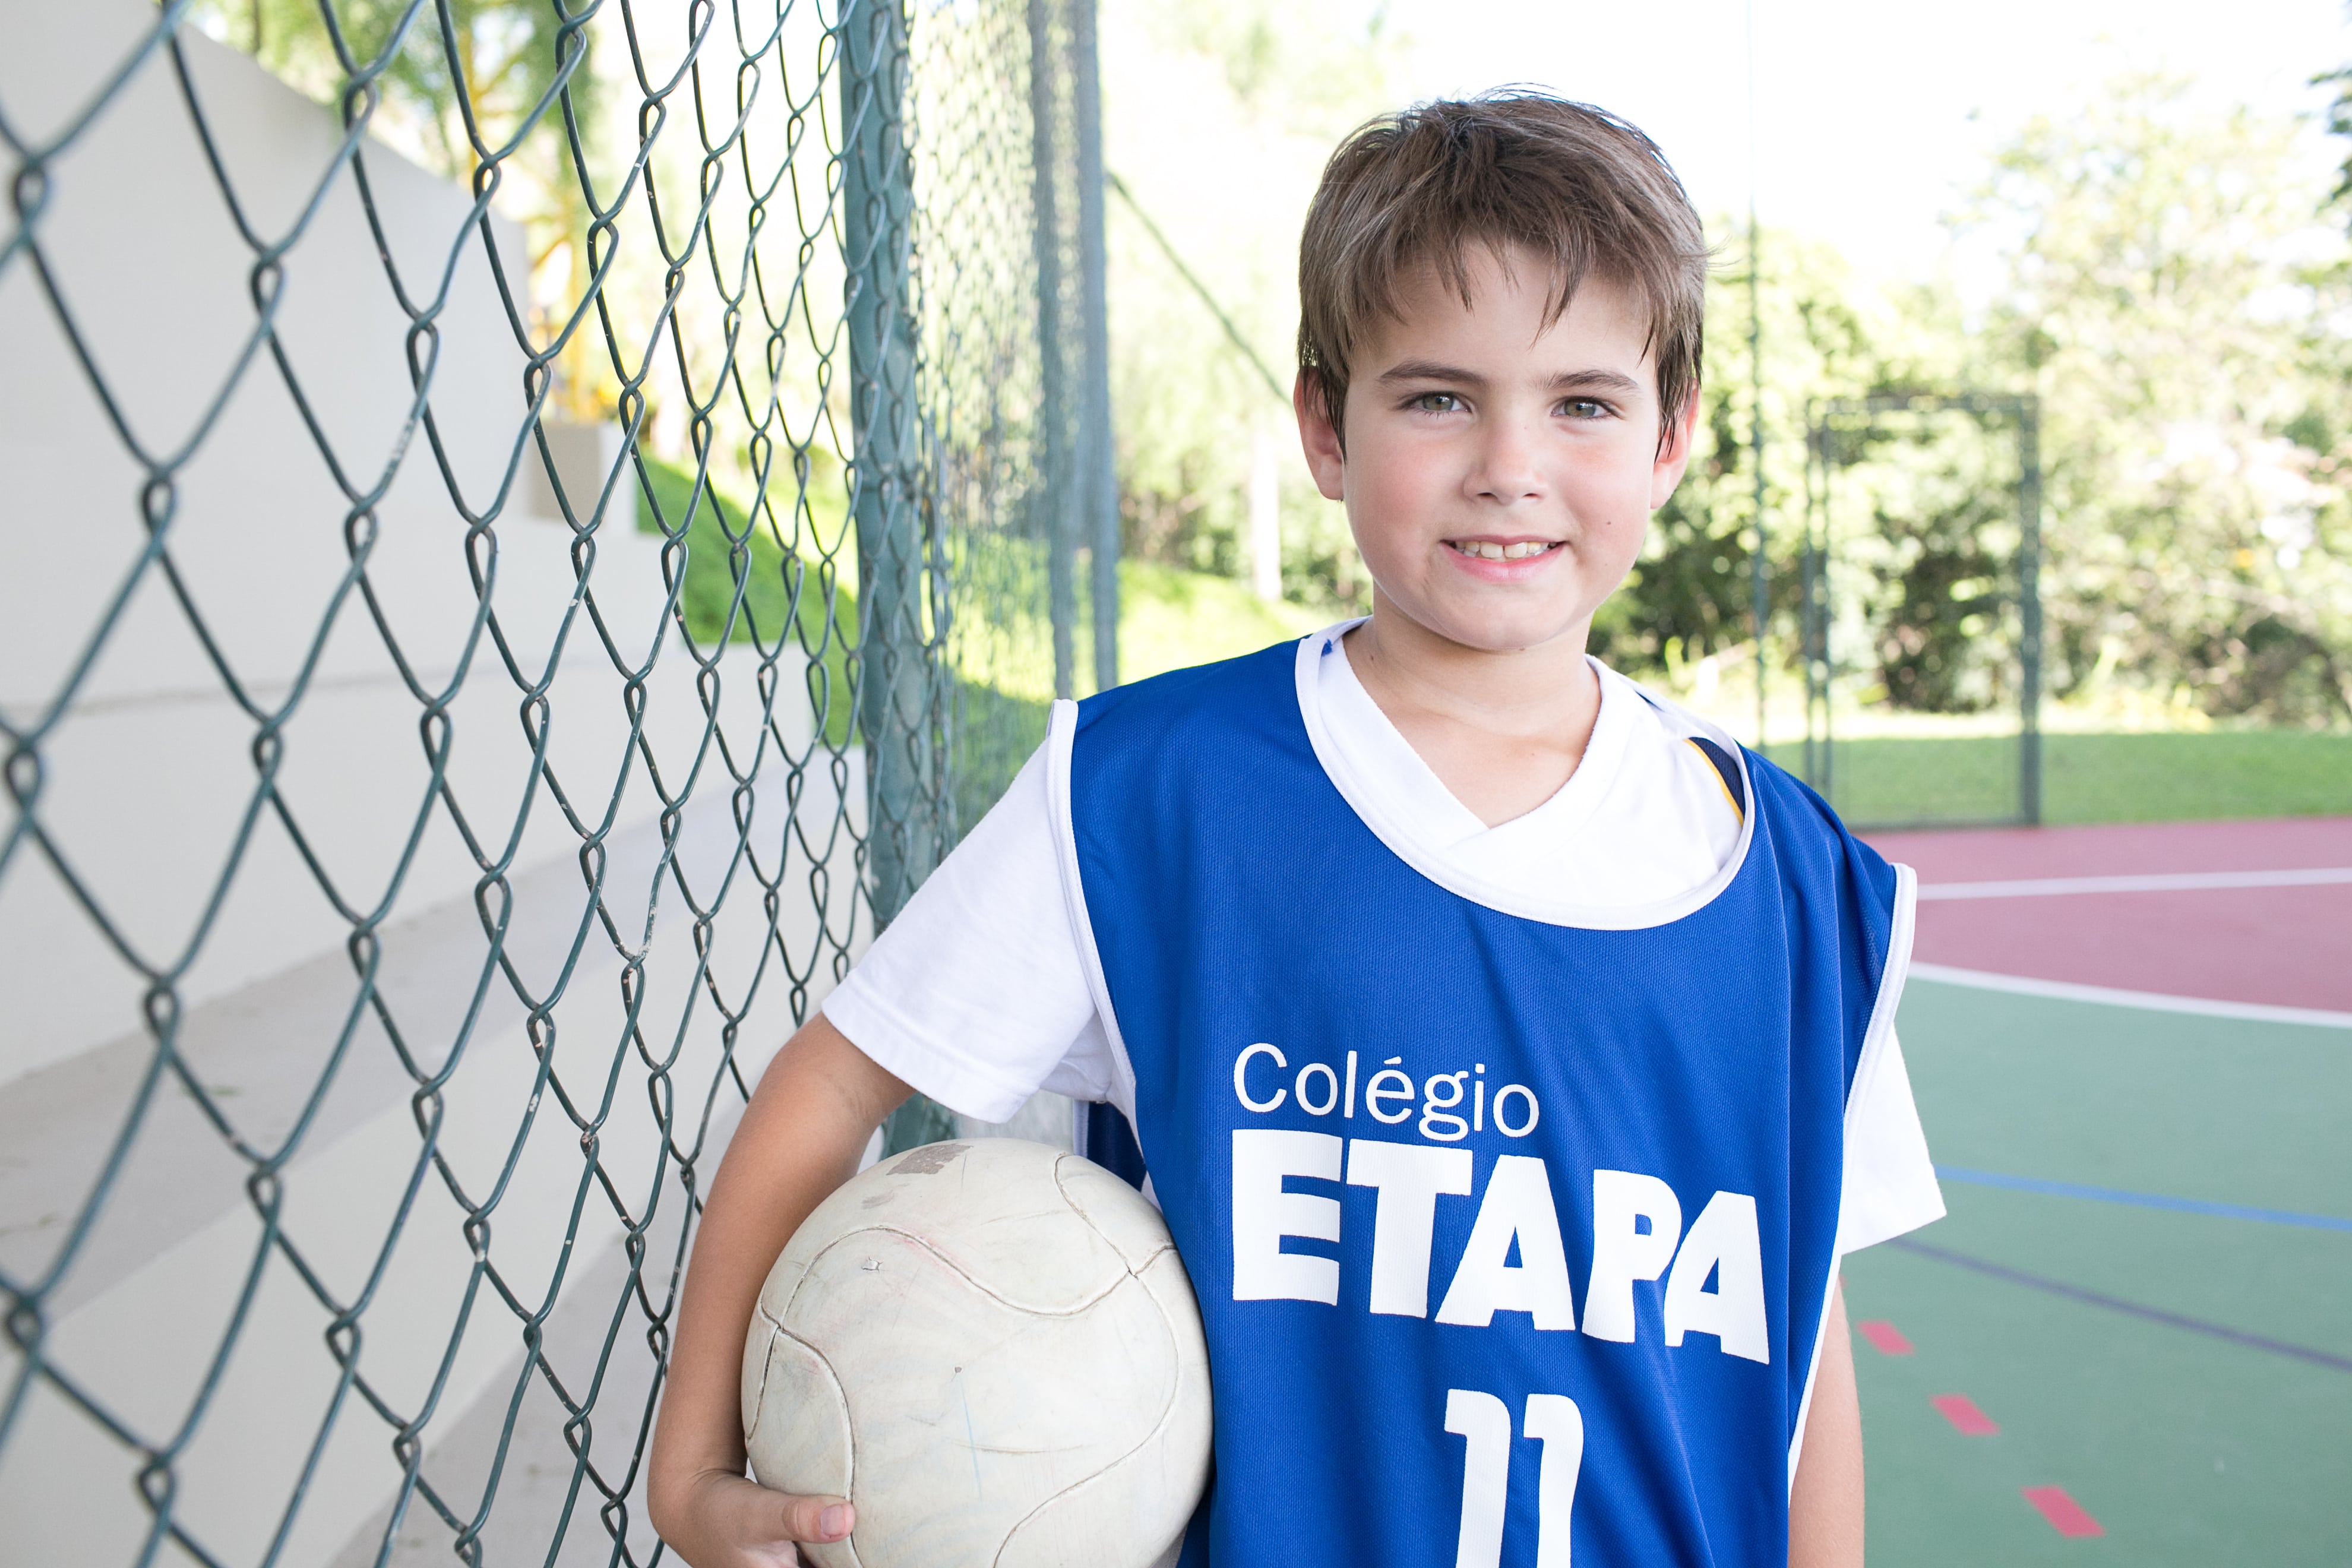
(978, 994)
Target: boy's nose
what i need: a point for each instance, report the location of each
(1508, 471)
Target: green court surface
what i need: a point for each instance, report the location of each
(2186, 1377)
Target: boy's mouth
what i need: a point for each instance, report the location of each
(1500, 550)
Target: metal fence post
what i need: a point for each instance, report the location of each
(1097, 476)
(893, 671)
(2029, 607)
(1817, 459)
(1821, 767)
(1759, 612)
(877, 220)
(1056, 492)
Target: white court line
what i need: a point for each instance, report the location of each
(2160, 882)
(2066, 991)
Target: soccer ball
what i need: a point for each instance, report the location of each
(990, 1348)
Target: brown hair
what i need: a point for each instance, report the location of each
(1508, 168)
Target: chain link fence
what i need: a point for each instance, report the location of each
(1940, 653)
(528, 529)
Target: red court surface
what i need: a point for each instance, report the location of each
(2281, 946)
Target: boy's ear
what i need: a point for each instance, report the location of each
(1675, 452)
(1327, 457)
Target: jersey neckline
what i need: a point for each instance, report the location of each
(1400, 841)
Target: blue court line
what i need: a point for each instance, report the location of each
(2129, 1309)
(2139, 1200)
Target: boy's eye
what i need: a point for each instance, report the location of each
(1436, 403)
(1585, 408)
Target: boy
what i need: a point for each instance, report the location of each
(1510, 1052)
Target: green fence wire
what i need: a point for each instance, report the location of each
(526, 530)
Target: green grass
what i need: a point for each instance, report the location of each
(2187, 1447)
(775, 601)
(2145, 777)
(1170, 619)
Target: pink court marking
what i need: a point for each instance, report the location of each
(1963, 1413)
(2064, 1514)
(1884, 1337)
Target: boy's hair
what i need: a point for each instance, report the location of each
(1510, 168)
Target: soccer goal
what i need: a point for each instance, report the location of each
(1920, 610)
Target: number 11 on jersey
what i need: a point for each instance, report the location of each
(1485, 1424)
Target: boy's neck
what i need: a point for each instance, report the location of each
(1502, 729)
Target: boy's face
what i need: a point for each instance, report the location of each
(1481, 431)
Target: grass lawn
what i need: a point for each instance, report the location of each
(1170, 619)
(2160, 777)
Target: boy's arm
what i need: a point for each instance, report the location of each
(1825, 1505)
(817, 1104)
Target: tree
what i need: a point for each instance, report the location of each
(1222, 115)
(458, 80)
(2174, 296)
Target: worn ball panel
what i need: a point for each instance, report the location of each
(991, 1349)
(1168, 1467)
(994, 1208)
(814, 1446)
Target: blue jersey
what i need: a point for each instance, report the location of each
(1507, 1234)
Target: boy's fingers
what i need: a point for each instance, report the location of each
(817, 1518)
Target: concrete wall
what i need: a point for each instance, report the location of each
(155, 277)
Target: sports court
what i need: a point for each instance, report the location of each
(2131, 1340)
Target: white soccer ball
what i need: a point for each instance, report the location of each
(990, 1348)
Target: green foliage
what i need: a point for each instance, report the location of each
(2169, 289)
(1920, 514)
(2174, 296)
(500, 64)
(1937, 654)
(1689, 596)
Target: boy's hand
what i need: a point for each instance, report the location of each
(800, 1138)
(726, 1521)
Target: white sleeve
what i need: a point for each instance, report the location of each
(1890, 1182)
(976, 995)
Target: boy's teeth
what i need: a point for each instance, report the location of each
(1487, 550)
